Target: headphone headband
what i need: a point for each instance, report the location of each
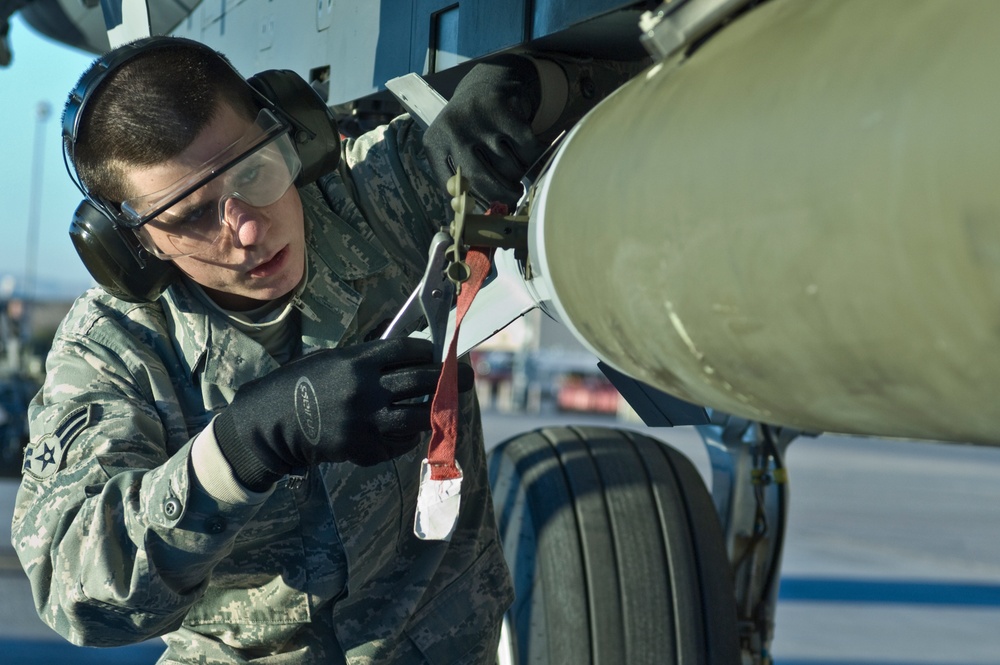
(91, 81)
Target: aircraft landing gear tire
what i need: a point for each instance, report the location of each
(615, 550)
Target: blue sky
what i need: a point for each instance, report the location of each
(42, 71)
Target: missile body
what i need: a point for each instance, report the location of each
(799, 223)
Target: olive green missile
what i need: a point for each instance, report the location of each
(797, 223)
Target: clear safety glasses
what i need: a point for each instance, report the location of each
(188, 217)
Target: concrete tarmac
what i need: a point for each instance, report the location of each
(892, 555)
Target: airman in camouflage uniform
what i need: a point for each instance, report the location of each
(131, 525)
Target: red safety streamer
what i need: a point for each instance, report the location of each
(444, 408)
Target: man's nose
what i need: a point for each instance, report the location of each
(245, 221)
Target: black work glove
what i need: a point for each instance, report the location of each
(486, 129)
(335, 405)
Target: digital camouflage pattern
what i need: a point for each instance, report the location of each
(121, 544)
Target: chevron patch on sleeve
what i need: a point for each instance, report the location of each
(43, 457)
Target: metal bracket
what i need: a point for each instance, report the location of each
(474, 230)
(677, 23)
(750, 490)
(417, 96)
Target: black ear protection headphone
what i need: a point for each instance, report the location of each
(110, 250)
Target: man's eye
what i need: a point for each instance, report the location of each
(192, 217)
(249, 175)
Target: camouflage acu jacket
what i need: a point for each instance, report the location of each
(121, 544)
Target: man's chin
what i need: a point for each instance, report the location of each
(241, 300)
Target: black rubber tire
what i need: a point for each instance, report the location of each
(615, 549)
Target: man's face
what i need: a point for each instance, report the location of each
(260, 255)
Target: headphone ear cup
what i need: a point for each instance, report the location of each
(314, 129)
(112, 256)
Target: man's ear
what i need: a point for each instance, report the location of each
(115, 259)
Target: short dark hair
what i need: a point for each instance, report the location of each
(150, 109)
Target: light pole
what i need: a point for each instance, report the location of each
(42, 112)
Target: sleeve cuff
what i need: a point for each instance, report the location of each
(213, 473)
(555, 95)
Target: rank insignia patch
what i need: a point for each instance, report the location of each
(43, 457)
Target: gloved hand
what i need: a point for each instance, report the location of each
(486, 129)
(334, 405)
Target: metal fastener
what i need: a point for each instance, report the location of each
(172, 508)
(215, 525)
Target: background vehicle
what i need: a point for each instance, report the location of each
(15, 393)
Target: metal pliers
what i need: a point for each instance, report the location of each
(432, 299)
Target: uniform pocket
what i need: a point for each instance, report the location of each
(467, 612)
(257, 594)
